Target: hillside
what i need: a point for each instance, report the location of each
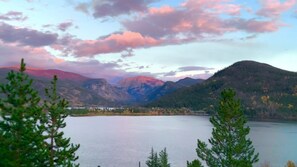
(169, 87)
(83, 91)
(188, 82)
(139, 87)
(265, 91)
(70, 86)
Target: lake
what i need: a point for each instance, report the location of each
(123, 141)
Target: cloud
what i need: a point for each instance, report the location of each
(197, 20)
(113, 43)
(113, 8)
(25, 36)
(11, 54)
(255, 26)
(140, 67)
(274, 8)
(83, 7)
(169, 74)
(104, 8)
(65, 25)
(47, 25)
(127, 53)
(249, 37)
(194, 68)
(13, 16)
(191, 21)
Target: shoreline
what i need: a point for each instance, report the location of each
(275, 120)
(135, 114)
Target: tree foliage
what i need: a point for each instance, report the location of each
(21, 132)
(28, 135)
(163, 156)
(153, 160)
(195, 163)
(61, 151)
(158, 161)
(230, 146)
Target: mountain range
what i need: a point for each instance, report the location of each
(83, 91)
(265, 91)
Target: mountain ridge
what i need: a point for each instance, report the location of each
(265, 91)
(80, 90)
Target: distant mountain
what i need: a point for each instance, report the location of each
(48, 74)
(102, 88)
(169, 87)
(70, 86)
(265, 91)
(140, 87)
(61, 74)
(83, 91)
(188, 81)
(139, 81)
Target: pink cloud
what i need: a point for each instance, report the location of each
(274, 8)
(162, 10)
(262, 26)
(11, 54)
(196, 20)
(110, 44)
(231, 9)
(39, 58)
(192, 21)
(254, 26)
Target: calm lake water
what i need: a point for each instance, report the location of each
(123, 141)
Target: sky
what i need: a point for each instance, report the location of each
(166, 39)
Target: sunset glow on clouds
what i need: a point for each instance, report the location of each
(164, 39)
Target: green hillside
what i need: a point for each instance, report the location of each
(265, 91)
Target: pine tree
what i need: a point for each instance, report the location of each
(229, 144)
(21, 141)
(163, 158)
(195, 163)
(61, 151)
(153, 160)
